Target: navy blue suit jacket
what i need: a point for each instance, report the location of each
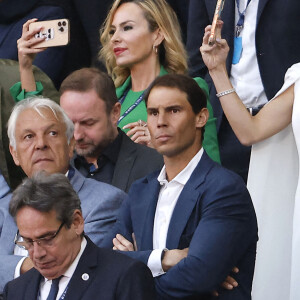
(214, 217)
(277, 39)
(112, 276)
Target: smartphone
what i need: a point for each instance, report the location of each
(217, 15)
(56, 33)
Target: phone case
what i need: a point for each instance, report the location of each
(57, 33)
(217, 15)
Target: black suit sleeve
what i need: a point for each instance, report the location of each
(198, 19)
(136, 283)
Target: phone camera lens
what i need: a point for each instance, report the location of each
(59, 23)
(64, 23)
(61, 29)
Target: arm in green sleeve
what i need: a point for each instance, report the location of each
(210, 142)
(19, 94)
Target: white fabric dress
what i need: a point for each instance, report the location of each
(273, 185)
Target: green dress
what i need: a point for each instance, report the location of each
(210, 142)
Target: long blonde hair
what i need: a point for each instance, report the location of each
(159, 14)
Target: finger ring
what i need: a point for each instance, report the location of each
(145, 125)
(140, 122)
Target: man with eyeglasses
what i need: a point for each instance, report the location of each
(41, 139)
(67, 263)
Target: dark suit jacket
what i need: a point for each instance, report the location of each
(134, 162)
(277, 48)
(181, 9)
(214, 217)
(112, 276)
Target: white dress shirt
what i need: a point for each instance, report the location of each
(45, 285)
(167, 199)
(245, 76)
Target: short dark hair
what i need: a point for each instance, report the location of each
(45, 192)
(87, 79)
(194, 94)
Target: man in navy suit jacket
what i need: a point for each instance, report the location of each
(48, 214)
(194, 221)
(277, 43)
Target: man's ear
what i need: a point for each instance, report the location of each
(78, 222)
(14, 154)
(202, 117)
(71, 147)
(159, 37)
(115, 113)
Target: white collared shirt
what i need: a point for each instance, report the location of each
(167, 199)
(45, 285)
(245, 75)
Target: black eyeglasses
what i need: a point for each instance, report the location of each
(44, 242)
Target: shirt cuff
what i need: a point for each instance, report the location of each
(154, 262)
(18, 267)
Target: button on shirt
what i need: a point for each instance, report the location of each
(45, 285)
(167, 199)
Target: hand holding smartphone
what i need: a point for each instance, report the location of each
(217, 15)
(55, 32)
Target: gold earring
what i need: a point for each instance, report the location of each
(155, 49)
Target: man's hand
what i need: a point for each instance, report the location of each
(229, 283)
(173, 257)
(122, 244)
(26, 265)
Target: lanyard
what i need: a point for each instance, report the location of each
(62, 297)
(132, 107)
(240, 23)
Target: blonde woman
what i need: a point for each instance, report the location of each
(141, 40)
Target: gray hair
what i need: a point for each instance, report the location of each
(44, 193)
(37, 103)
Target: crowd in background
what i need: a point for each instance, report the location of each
(115, 84)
